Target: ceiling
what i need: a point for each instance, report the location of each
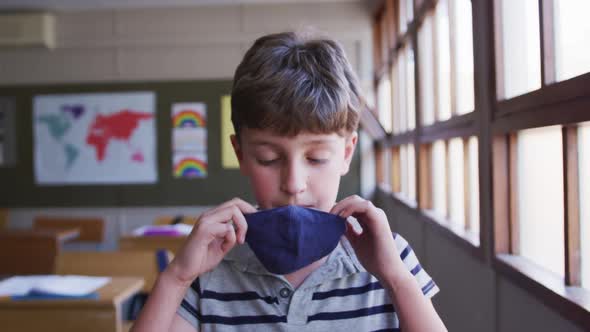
(65, 5)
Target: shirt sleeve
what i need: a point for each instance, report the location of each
(189, 307)
(428, 286)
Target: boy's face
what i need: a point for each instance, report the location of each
(303, 170)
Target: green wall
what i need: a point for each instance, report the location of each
(17, 184)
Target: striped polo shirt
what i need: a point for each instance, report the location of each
(241, 295)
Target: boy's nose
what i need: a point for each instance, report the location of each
(294, 179)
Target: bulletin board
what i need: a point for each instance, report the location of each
(18, 187)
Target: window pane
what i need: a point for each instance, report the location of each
(395, 170)
(463, 33)
(473, 185)
(396, 83)
(540, 197)
(406, 9)
(456, 178)
(409, 10)
(584, 167)
(411, 173)
(426, 63)
(572, 27)
(443, 61)
(402, 91)
(387, 164)
(521, 52)
(410, 89)
(384, 106)
(404, 170)
(439, 182)
(403, 20)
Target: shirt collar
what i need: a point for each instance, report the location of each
(340, 263)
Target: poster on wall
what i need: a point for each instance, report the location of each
(190, 165)
(98, 138)
(189, 140)
(228, 156)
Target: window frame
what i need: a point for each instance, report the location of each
(495, 124)
(421, 136)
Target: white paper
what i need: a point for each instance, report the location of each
(181, 228)
(67, 285)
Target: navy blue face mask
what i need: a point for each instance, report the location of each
(290, 237)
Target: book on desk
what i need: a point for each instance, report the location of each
(39, 287)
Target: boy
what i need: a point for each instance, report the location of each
(295, 110)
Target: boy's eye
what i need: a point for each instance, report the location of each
(267, 162)
(317, 161)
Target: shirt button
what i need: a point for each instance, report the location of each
(285, 292)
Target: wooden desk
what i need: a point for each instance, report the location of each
(31, 251)
(62, 235)
(171, 243)
(88, 315)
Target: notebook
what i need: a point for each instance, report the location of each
(52, 287)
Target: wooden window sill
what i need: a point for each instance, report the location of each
(571, 302)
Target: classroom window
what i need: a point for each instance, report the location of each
(584, 169)
(456, 183)
(410, 87)
(539, 189)
(387, 164)
(398, 96)
(426, 63)
(439, 178)
(406, 14)
(404, 170)
(519, 52)
(572, 27)
(473, 185)
(408, 172)
(403, 92)
(443, 61)
(462, 30)
(384, 103)
(411, 172)
(395, 169)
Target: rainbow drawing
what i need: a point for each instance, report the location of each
(190, 167)
(188, 118)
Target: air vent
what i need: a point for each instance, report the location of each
(27, 30)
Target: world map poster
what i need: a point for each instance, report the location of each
(100, 138)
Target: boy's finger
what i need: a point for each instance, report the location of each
(240, 224)
(346, 203)
(229, 240)
(220, 230)
(244, 206)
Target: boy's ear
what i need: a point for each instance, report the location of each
(238, 151)
(349, 146)
(236, 145)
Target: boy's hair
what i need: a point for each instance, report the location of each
(290, 82)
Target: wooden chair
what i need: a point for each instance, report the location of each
(138, 263)
(27, 252)
(90, 229)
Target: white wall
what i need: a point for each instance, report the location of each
(205, 42)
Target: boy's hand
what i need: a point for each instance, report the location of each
(374, 246)
(215, 233)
